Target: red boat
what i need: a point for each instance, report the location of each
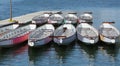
(16, 36)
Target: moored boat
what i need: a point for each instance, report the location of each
(108, 33)
(87, 33)
(16, 36)
(71, 18)
(41, 35)
(56, 18)
(65, 34)
(86, 17)
(41, 19)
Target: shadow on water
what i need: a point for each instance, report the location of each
(100, 53)
(107, 53)
(111, 49)
(37, 54)
(63, 52)
(49, 55)
(76, 53)
(11, 56)
(89, 51)
(16, 50)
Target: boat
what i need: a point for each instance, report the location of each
(8, 27)
(87, 33)
(71, 18)
(109, 33)
(16, 36)
(65, 34)
(86, 17)
(56, 18)
(41, 19)
(41, 35)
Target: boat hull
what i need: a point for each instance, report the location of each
(108, 40)
(39, 42)
(41, 35)
(65, 41)
(87, 33)
(72, 22)
(87, 40)
(65, 34)
(40, 22)
(55, 22)
(14, 41)
(16, 36)
(108, 33)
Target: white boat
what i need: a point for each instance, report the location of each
(65, 34)
(71, 18)
(41, 19)
(108, 33)
(86, 17)
(41, 35)
(7, 28)
(16, 36)
(56, 19)
(87, 33)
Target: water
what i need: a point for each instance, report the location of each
(76, 54)
(17, 56)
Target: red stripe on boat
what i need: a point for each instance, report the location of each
(20, 39)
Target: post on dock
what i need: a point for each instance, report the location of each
(10, 11)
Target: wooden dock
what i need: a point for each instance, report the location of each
(24, 18)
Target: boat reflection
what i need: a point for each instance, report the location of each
(38, 54)
(106, 54)
(19, 49)
(89, 51)
(75, 53)
(52, 55)
(100, 53)
(63, 52)
(12, 55)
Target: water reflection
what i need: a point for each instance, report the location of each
(100, 53)
(39, 54)
(52, 55)
(63, 53)
(106, 54)
(74, 54)
(90, 52)
(13, 56)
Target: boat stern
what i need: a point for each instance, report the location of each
(89, 41)
(108, 40)
(92, 41)
(31, 44)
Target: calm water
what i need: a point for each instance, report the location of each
(76, 54)
(17, 56)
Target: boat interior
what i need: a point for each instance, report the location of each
(109, 32)
(64, 32)
(87, 32)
